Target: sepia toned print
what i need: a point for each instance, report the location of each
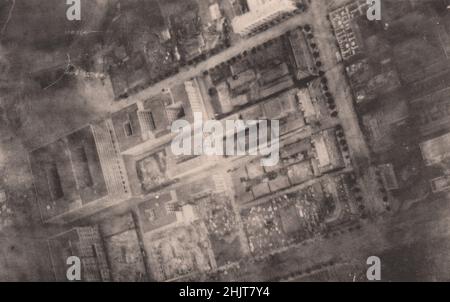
(224, 140)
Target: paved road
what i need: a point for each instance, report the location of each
(338, 84)
(193, 71)
(340, 88)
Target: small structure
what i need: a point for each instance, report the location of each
(3, 196)
(436, 150)
(389, 177)
(328, 153)
(440, 184)
(187, 214)
(306, 104)
(157, 213)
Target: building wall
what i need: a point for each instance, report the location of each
(301, 54)
(111, 161)
(82, 168)
(154, 213)
(157, 106)
(436, 150)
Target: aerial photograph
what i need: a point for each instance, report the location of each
(226, 141)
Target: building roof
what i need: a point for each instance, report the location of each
(241, 79)
(214, 11)
(440, 184)
(128, 115)
(67, 173)
(322, 151)
(155, 213)
(79, 174)
(158, 106)
(328, 153)
(301, 172)
(304, 97)
(261, 189)
(303, 59)
(84, 243)
(283, 83)
(272, 74)
(260, 12)
(389, 176)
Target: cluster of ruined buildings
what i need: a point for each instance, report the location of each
(407, 96)
(125, 160)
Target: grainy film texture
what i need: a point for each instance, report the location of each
(224, 140)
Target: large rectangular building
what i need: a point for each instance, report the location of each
(260, 13)
(80, 173)
(436, 150)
